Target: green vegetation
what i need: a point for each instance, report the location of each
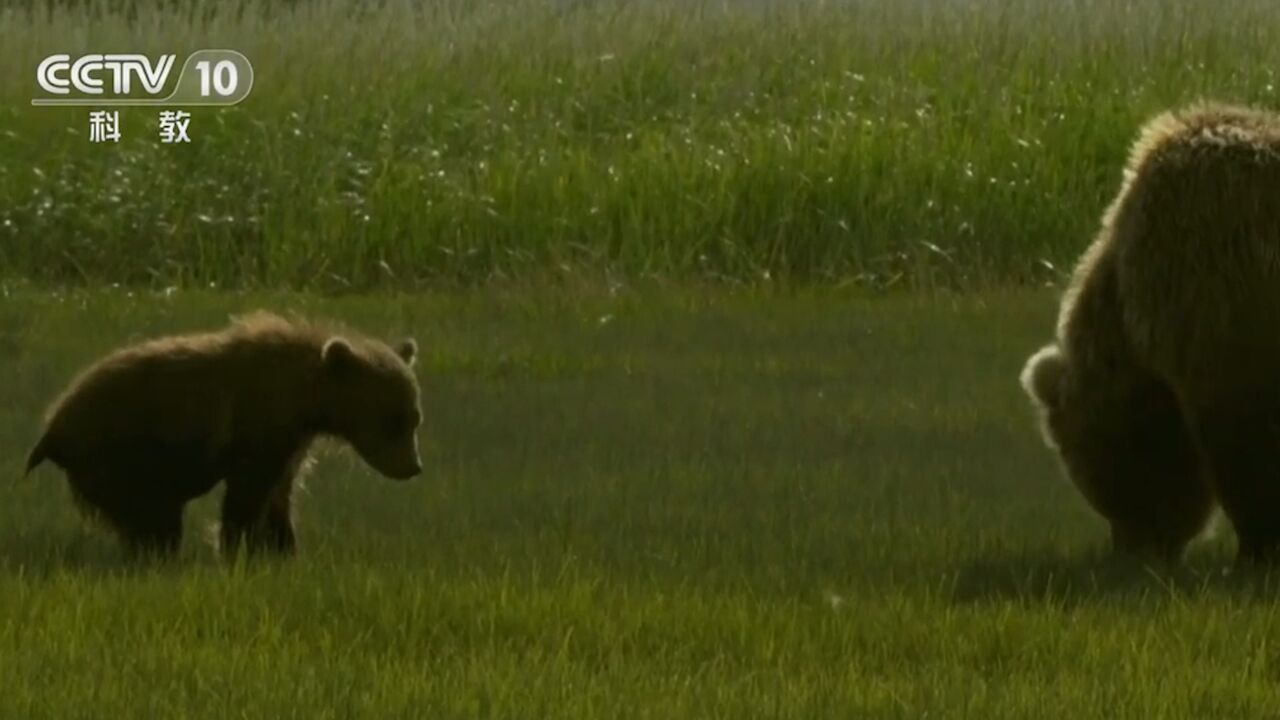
(680, 462)
(676, 506)
(921, 143)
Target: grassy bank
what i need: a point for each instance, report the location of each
(919, 143)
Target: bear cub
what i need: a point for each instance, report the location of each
(152, 426)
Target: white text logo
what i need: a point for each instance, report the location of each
(57, 74)
(207, 77)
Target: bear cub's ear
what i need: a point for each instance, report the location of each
(338, 354)
(1042, 376)
(407, 350)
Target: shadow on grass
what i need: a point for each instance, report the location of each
(1053, 577)
(41, 556)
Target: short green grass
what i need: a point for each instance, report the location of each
(638, 503)
(926, 143)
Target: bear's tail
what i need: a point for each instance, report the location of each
(38, 455)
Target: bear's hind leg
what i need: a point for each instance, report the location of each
(1241, 444)
(145, 525)
(158, 533)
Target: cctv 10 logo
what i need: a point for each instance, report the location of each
(208, 77)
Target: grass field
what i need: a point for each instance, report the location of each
(721, 305)
(639, 504)
(923, 143)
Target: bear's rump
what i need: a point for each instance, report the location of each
(141, 466)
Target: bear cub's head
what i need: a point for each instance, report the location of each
(372, 402)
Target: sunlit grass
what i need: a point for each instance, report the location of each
(923, 143)
(683, 504)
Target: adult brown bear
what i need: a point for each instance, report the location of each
(150, 427)
(1160, 393)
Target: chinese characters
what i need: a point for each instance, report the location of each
(104, 126)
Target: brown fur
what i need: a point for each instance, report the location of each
(149, 427)
(1160, 392)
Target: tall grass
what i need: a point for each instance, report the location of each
(957, 143)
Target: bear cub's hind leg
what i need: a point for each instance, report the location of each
(148, 524)
(158, 534)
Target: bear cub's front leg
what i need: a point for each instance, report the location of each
(257, 514)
